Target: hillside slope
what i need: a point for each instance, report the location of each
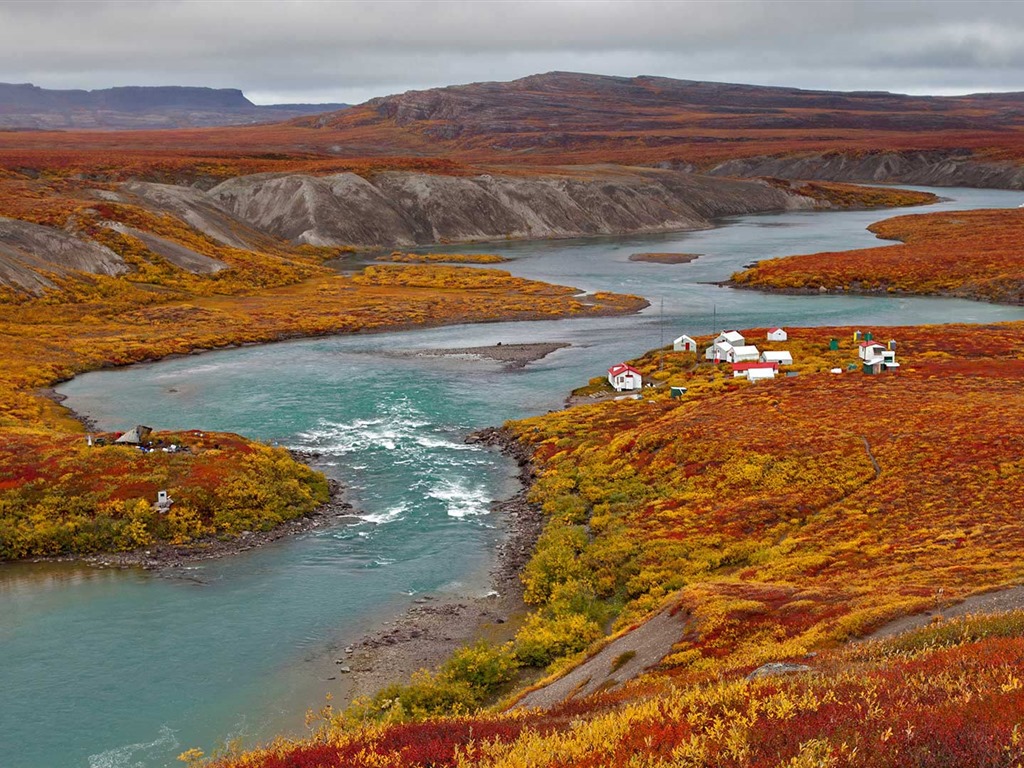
(563, 118)
(759, 524)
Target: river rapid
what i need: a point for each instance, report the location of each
(103, 668)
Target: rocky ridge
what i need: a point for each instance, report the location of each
(408, 209)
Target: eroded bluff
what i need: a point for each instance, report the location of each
(404, 209)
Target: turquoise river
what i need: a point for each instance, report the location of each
(105, 668)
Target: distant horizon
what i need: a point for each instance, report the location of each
(349, 51)
(278, 99)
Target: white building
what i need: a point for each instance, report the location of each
(782, 358)
(777, 334)
(719, 350)
(684, 344)
(624, 377)
(760, 374)
(744, 354)
(731, 337)
(869, 350)
(755, 370)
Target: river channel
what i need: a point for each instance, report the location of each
(103, 668)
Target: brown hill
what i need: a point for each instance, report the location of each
(592, 117)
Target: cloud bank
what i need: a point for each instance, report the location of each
(304, 50)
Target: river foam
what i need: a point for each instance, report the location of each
(138, 755)
(442, 469)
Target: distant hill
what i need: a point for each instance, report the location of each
(576, 117)
(27, 106)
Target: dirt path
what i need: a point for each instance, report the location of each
(1011, 599)
(874, 463)
(621, 660)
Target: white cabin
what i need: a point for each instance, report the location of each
(778, 334)
(684, 344)
(782, 357)
(624, 377)
(760, 374)
(731, 337)
(868, 350)
(744, 354)
(720, 350)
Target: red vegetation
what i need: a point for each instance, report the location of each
(973, 254)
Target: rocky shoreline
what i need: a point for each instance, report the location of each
(426, 634)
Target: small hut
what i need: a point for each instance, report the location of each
(137, 435)
(684, 344)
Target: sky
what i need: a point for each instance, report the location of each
(280, 51)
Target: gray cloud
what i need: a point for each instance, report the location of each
(302, 50)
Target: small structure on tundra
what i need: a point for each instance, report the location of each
(684, 344)
(719, 351)
(732, 337)
(744, 354)
(876, 358)
(163, 502)
(677, 392)
(755, 371)
(624, 377)
(872, 366)
(777, 334)
(781, 357)
(137, 435)
(833, 344)
(870, 349)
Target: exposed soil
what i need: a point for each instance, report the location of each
(1011, 599)
(622, 659)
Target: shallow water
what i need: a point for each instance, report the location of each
(113, 669)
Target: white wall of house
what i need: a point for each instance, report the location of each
(625, 381)
(759, 374)
(778, 334)
(782, 358)
(724, 349)
(684, 344)
(871, 351)
(747, 354)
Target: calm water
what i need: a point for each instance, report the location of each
(112, 669)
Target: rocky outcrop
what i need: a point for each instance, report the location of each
(406, 209)
(29, 253)
(933, 168)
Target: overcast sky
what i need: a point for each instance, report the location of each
(303, 50)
